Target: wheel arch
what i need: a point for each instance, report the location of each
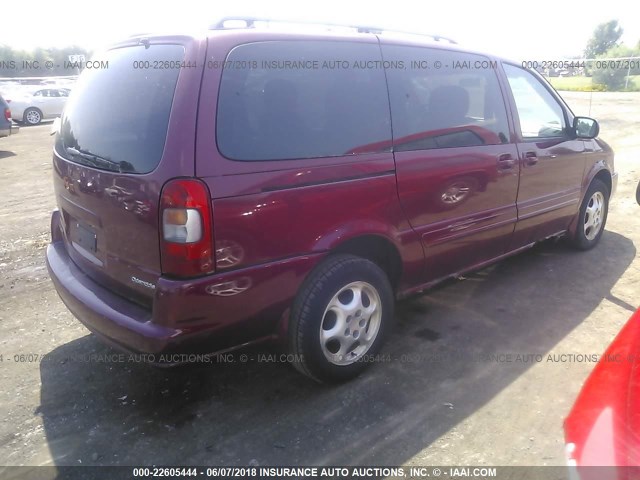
(397, 249)
(377, 249)
(605, 177)
(375, 246)
(599, 171)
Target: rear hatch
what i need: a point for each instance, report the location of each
(119, 141)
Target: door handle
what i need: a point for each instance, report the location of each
(530, 158)
(506, 161)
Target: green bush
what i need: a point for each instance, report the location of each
(576, 84)
(595, 87)
(613, 79)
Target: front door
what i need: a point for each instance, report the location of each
(552, 161)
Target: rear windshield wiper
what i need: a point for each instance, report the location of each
(100, 162)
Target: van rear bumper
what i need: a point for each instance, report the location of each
(204, 315)
(109, 315)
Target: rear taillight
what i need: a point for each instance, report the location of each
(7, 114)
(186, 235)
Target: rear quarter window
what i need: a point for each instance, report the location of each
(302, 99)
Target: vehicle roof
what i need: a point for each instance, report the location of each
(249, 35)
(386, 37)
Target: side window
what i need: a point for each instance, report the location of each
(540, 114)
(54, 93)
(63, 93)
(444, 99)
(38, 93)
(302, 99)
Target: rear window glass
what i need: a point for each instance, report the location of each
(117, 116)
(302, 99)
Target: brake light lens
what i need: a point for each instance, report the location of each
(187, 236)
(7, 114)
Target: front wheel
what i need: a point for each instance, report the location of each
(592, 217)
(340, 318)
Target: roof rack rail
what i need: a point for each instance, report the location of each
(250, 22)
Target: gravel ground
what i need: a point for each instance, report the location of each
(450, 393)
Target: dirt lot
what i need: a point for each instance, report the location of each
(449, 395)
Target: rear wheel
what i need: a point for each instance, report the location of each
(32, 116)
(340, 318)
(592, 217)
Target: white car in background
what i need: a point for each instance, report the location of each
(33, 106)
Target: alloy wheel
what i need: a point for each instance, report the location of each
(350, 323)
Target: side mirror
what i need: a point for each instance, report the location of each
(585, 127)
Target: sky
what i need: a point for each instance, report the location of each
(540, 29)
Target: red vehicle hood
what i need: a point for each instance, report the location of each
(603, 427)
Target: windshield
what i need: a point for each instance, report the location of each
(117, 116)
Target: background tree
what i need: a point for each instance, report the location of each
(605, 36)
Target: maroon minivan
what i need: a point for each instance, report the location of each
(260, 184)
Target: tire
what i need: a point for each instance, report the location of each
(32, 116)
(638, 194)
(594, 208)
(322, 308)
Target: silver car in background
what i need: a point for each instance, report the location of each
(34, 105)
